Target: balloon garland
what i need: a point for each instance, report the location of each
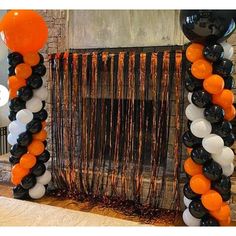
(209, 135)
(25, 32)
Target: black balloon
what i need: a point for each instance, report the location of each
(188, 192)
(229, 82)
(24, 139)
(214, 114)
(44, 157)
(189, 122)
(200, 155)
(25, 93)
(196, 209)
(223, 67)
(41, 58)
(34, 126)
(42, 115)
(28, 181)
(229, 140)
(212, 170)
(38, 169)
(226, 196)
(14, 160)
(208, 220)
(34, 81)
(223, 185)
(16, 104)
(44, 104)
(11, 71)
(192, 84)
(39, 69)
(17, 150)
(213, 52)
(222, 129)
(206, 26)
(15, 58)
(190, 140)
(201, 98)
(20, 193)
(12, 115)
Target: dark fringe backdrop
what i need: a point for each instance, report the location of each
(116, 126)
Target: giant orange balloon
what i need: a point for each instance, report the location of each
(201, 69)
(230, 113)
(41, 135)
(27, 161)
(212, 200)
(19, 171)
(36, 147)
(223, 213)
(194, 52)
(200, 184)
(23, 31)
(224, 99)
(192, 168)
(23, 71)
(214, 84)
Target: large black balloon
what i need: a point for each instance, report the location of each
(197, 209)
(208, 220)
(223, 67)
(28, 181)
(24, 139)
(38, 169)
(34, 126)
(25, 93)
(223, 185)
(200, 155)
(201, 98)
(229, 140)
(15, 58)
(226, 196)
(16, 104)
(39, 69)
(212, 170)
(34, 81)
(213, 52)
(17, 150)
(188, 192)
(190, 140)
(11, 71)
(14, 160)
(223, 129)
(20, 193)
(192, 84)
(12, 115)
(41, 115)
(44, 157)
(214, 114)
(229, 82)
(206, 26)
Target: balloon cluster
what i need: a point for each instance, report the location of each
(25, 32)
(209, 82)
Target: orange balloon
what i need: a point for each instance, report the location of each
(224, 99)
(201, 69)
(44, 123)
(27, 161)
(230, 113)
(16, 179)
(192, 168)
(214, 84)
(212, 200)
(41, 135)
(223, 213)
(31, 58)
(36, 148)
(226, 222)
(23, 71)
(23, 31)
(15, 83)
(19, 171)
(194, 52)
(189, 150)
(200, 184)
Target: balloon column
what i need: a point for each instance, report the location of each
(208, 140)
(25, 32)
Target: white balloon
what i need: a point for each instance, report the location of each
(189, 220)
(12, 139)
(24, 116)
(16, 128)
(190, 97)
(41, 93)
(200, 128)
(34, 104)
(225, 157)
(45, 178)
(37, 191)
(187, 201)
(193, 112)
(228, 170)
(228, 50)
(4, 95)
(213, 143)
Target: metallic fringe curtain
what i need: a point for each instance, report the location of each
(116, 122)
